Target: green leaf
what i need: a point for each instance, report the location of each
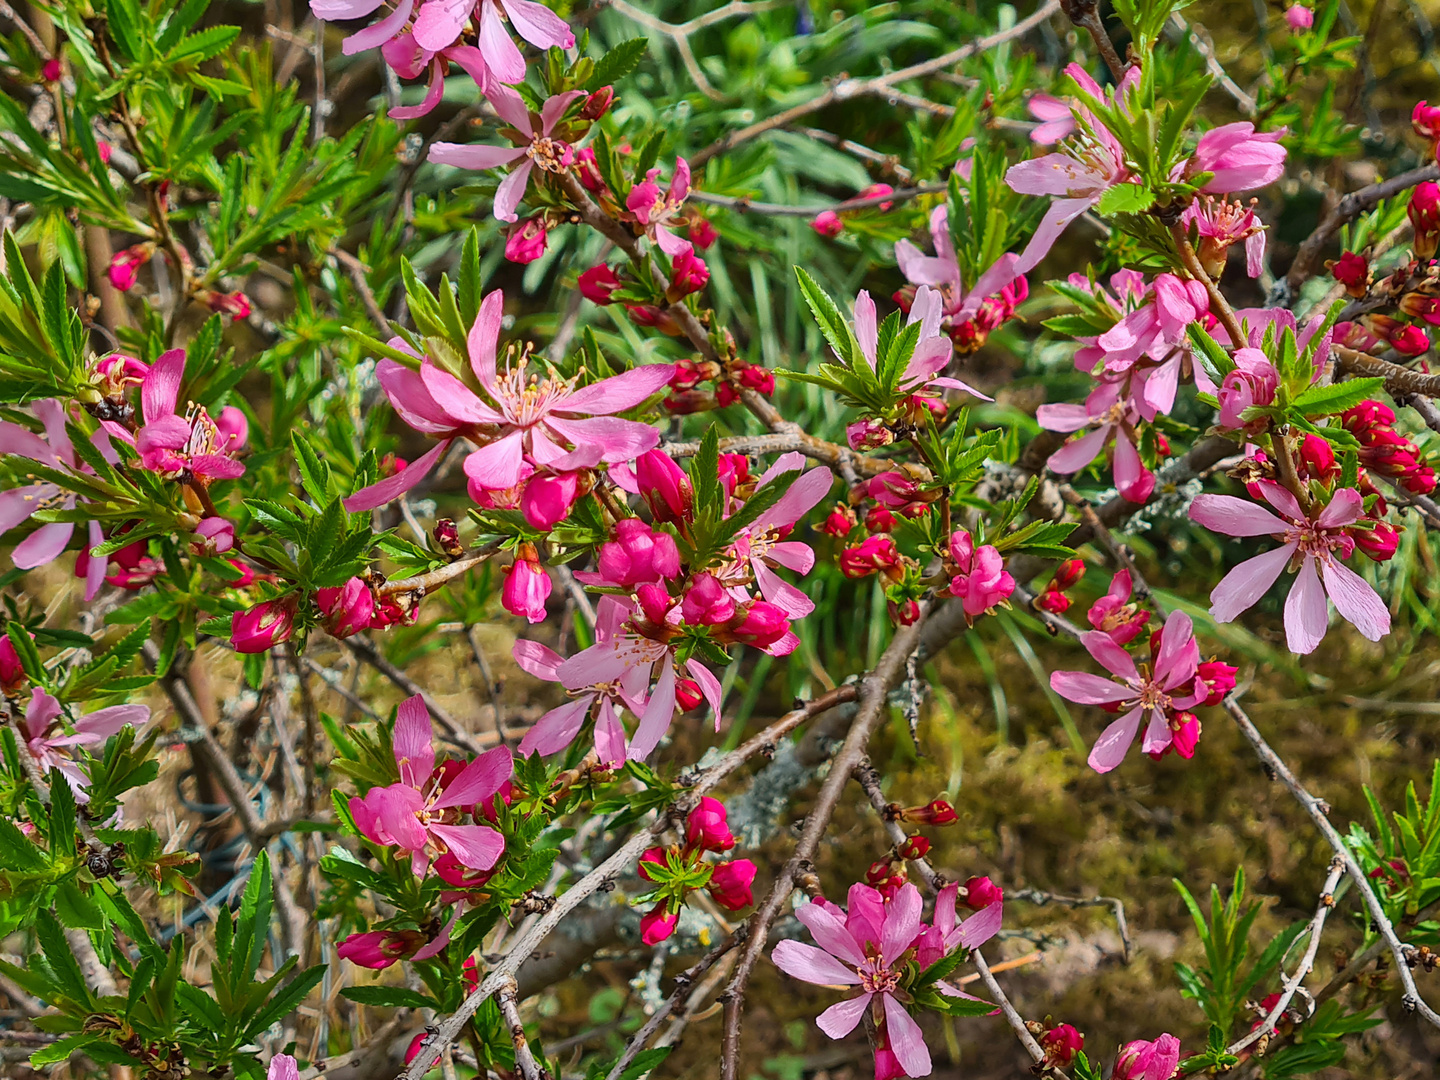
(833, 324)
(389, 997)
(1337, 397)
(617, 63)
(1125, 199)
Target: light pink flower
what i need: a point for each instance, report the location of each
(542, 151)
(980, 580)
(1114, 419)
(616, 670)
(658, 212)
(941, 271)
(410, 61)
(1077, 177)
(283, 1067)
(412, 815)
(1155, 327)
(948, 933)
(1220, 224)
(1299, 17)
(52, 751)
(1253, 381)
(1172, 685)
(527, 425)
(933, 350)
(862, 948)
(18, 504)
(1115, 615)
(1057, 116)
(1317, 546)
(192, 446)
(1240, 158)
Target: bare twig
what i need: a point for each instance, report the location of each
(424, 584)
(530, 1069)
(365, 650)
(1398, 380)
(744, 205)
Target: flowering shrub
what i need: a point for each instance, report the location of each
(459, 448)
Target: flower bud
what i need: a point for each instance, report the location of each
(213, 536)
(347, 608)
(702, 233)
(1053, 601)
(526, 240)
(51, 70)
(706, 602)
(650, 315)
(689, 274)
(380, 948)
(687, 694)
(1318, 458)
(413, 1050)
(1300, 18)
(637, 555)
(839, 522)
(1352, 271)
(1425, 118)
(1061, 1044)
(914, 848)
(1366, 415)
(263, 626)
(1219, 680)
(1410, 340)
(730, 883)
(547, 499)
(764, 624)
(874, 553)
(236, 304)
(447, 538)
(526, 587)
(705, 828)
(657, 924)
(664, 487)
(125, 265)
(734, 472)
(654, 856)
(12, 672)
(868, 435)
(981, 892)
(757, 378)
(891, 489)
(876, 190)
(880, 520)
(903, 613)
(1184, 734)
(655, 602)
(1069, 574)
(828, 223)
(936, 812)
(598, 283)
(598, 104)
(586, 169)
(1424, 214)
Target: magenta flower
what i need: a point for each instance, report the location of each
(418, 814)
(1313, 546)
(1114, 419)
(283, 1067)
(528, 425)
(190, 447)
(1115, 615)
(980, 579)
(51, 751)
(1155, 327)
(18, 504)
(347, 608)
(542, 150)
(941, 271)
(526, 588)
(865, 948)
(1253, 381)
(948, 933)
(1171, 686)
(1143, 1060)
(1221, 224)
(410, 60)
(933, 350)
(1299, 18)
(262, 627)
(1240, 158)
(638, 555)
(378, 949)
(658, 212)
(1076, 176)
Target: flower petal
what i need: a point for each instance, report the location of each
(1307, 616)
(1084, 688)
(392, 487)
(557, 729)
(806, 962)
(1355, 599)
(841, 1018)
(831, 933)
(619, 392)
(476, 846)
(479, 780)
(1247, 583)
(1235, 517)
(1109, 750)
(906, 1039)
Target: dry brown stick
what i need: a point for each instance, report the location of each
(847, 88)
(1218, 302)
(435, 579)
(1318, 810)
(530, 1069)
(525, 943)
(365, 650)
(1398, 380)
(742, 205)
(1307, 259)
(873, 690)
(1086, 14)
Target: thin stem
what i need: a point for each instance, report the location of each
(1218, 304)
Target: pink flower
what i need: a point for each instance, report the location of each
(347, 608)
(379, 949)
(527, 587)
(542, 150)
(1115, 615)
(863, 948)
(1141, 1060)
(1061, 1044)
(828, 223)
(1077, 177)
(17, 505)
(263, 626)
(1253, 382)
(706, 602)
(1379, 543)
(1223, 223)
(1352, 271)
(706, 827)
(597, 283)
(1425, 119)
(53, 751)
(1299, 17)
(981, 892)
(12, 672)
(526, 240)
(941, 272)
(688, 274)
(657, 212)
(1115, 420)
(1171, 685)
(1056, 119)
(235, 304)
(528, 425)
(703, 233)
(125, 265)
(665, 487)
(283, 1067)
(1240, 158)
(547, 499)
(213, 536)
(872, 554)
(729, 884)
(980, 581)
(418, 815)
(1155, 327)
(190, 447)
(409, 60)
(1314, 543)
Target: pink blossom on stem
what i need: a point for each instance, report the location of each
(262, 627)
(1170, 685)
(638, 555)
(980, 580)
(863, 948)
(657, 924)
(729, 884)
(1252, 382)
(828, 223)
(50, 746)
(526, 240)
(419, 816)
(597, 283)
(1314, 545)
(348, 609)
(1240, 158)
(1221, 224)
(192, 447)
(1114, 420)
(1299, 17)
(541, 150)
(527, 586)
(706, 828)
(658, 212)
(378, 949)
(1115, 615)
(1142, 1060)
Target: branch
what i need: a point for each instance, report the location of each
(524, 1056)
(1317, 810)
(427, 583)
(743, 204)
(1398, 380)
(846, 89)
(447, 1031)
(781, 443)
(1307, 259)
(364, 649)
(1040, 898)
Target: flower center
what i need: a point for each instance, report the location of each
(1313, 541)
(875, 979)
(549, 154)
